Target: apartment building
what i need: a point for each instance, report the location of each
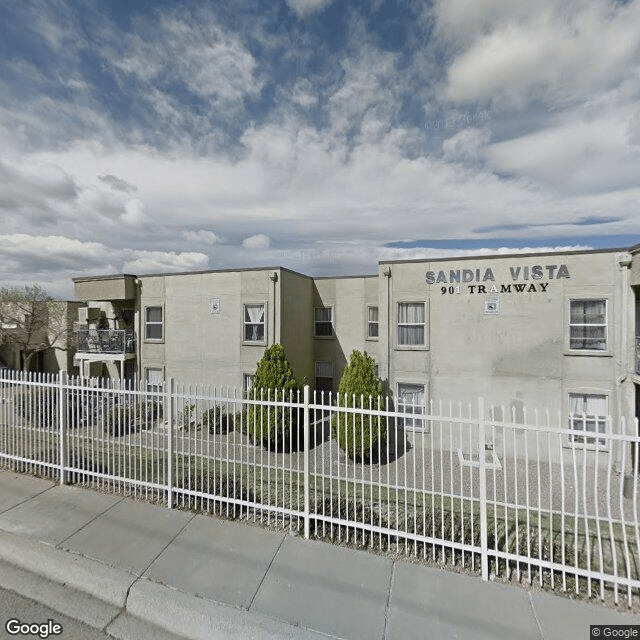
(543, 330)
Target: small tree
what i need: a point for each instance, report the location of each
(359, 434)
(32, 321)
(270, 424)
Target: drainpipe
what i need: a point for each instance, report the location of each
(387, 275)
(623, 364)
(274, 278)
(138, 337)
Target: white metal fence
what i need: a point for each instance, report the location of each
(537, 499)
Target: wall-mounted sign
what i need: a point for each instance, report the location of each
(492, 306)
(536, 272)
(520, 279)
(215, 305)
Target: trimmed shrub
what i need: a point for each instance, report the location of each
(132, 416)
(357, 434)
(273, 426)
(218, 420)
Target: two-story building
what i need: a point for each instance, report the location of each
(552, 331)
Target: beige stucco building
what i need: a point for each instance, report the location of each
(550, 331)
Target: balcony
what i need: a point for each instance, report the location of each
(106, 341)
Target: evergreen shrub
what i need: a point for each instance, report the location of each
(273, 426)
(358, 434)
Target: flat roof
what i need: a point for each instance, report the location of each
(115, 276)
(494, 256)
(484, 256)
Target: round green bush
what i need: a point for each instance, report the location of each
(357, 434)
(270, 425)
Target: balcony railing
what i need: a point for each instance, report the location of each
(106, 341)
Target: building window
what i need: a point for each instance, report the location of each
(153, 323)
(588, 325)
(254, 322)
(372, 322)
(247, 382)
(323, 322)
(324, 376)
(587, 414)
(411, 402)
(411, 324)
(154, 379)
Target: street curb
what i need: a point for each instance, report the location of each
(201, 619)
(83, 574)
(136, 600)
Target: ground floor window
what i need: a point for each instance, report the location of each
(411, 400)
(324, 376)
(587, 414)
(247, 382)
(154, 379)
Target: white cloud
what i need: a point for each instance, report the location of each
(134, 213)
(552, 55)
(164, 261)
(304, 8)
(202, 236)
(578, 155)
(192, 49)
(259, 241)
(467, 144)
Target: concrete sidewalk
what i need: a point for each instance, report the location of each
(128, 563)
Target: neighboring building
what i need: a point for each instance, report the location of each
(56, 345)
(547, 330)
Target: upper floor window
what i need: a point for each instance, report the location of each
(372, 322)
(153, 323)
(254, 322)
(588, 325)
(411, 324)
(323, 322)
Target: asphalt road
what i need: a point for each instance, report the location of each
(14, 606)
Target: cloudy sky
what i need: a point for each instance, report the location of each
(320, 135)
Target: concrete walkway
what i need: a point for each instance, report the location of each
(128, 564)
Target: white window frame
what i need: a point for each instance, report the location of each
(247, 378)
(425, 325)
(147, 323)
(316, 376)
(579, 421)
(370, 322)
(153, 386)
(410, 409)
(263, 323)
(570, 325)
(331, 322)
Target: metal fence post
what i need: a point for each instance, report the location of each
(484, 556)
(62, 419)
(307, 443)
(169, 409)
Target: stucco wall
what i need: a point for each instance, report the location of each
(519, 356)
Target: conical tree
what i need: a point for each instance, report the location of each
(359, 434)
(273, 426)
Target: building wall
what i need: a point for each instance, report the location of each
(515, 358)
(349, 298)
(296, 323)
(202, 346)
(519, 356)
